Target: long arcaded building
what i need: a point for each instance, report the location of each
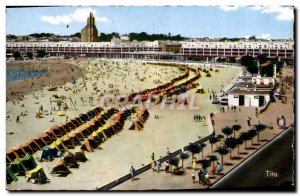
(157, 49)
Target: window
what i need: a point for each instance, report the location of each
(236, 96)
(255, 97)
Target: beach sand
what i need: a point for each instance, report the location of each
(173, 130)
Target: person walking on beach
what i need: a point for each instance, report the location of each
(193, 177)
(152, 156)
(194, 164)
(201, 177)
(284, 122)
(249, 121)
(158, 164)
(153, 165)
(41, 108)
(219, 168)
(18, 119)
(167, 167)
(132, 172)
(256, 111)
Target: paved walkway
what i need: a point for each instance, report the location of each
(268, 167)
(150, 180)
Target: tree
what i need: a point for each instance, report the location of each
(212, 141)
(231, 144)
(40, 35)
(202, 147)
(245, 137)
(41, 53)
(194, 149)
(262, 58)
(213, 158)
(222, 151)
(205, 163)
(238, 142)
(10, 36)
(29, 55)
(182, 156)
(78, 34)
(253, 37)
(259, 128)
(220, 138)
(252, 133)
(227, 131)
(236, 127)
(248, 62)
(16, 55)
(174, 161)
(268, 70)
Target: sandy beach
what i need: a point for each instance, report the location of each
(58, 72)
(95, 78)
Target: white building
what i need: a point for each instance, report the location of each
(252, 94)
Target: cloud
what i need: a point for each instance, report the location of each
(79, 15)
(57, 20)
(103, 19)
(281, 13)
(246, 36)
(228, 8)
(266, 36)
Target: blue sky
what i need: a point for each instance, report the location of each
(201, 21)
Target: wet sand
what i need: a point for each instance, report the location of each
(59, 72)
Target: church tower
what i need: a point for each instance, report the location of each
(90, 33)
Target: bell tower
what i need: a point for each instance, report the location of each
(90, 33)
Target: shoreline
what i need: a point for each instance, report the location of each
(58, 73)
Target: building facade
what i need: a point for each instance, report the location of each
(90, 33)
(200, 50)
(256, 93)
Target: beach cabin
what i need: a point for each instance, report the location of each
(256, 93)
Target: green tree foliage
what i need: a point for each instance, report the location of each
(213, 158)
(238, 142)
(16, 55)
(10, 36)
(224, 39)
(245, 136)
(236, 127)
(29, 55)
(182, 156)
(222, 151)
(143, 36)
(41, 53)
(194, 149)
(259, 128)
(107, 37)
(78, 34)
(253, 37)
(248, 62)
(40, 35)
(252, 133)
(212, 141)
(231, 144)
(205, 163)
(227, 131)
(268, 70)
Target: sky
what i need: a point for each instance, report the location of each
(194, 21)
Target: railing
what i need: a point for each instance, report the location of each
(148, 166)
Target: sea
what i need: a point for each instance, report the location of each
(21, 74)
